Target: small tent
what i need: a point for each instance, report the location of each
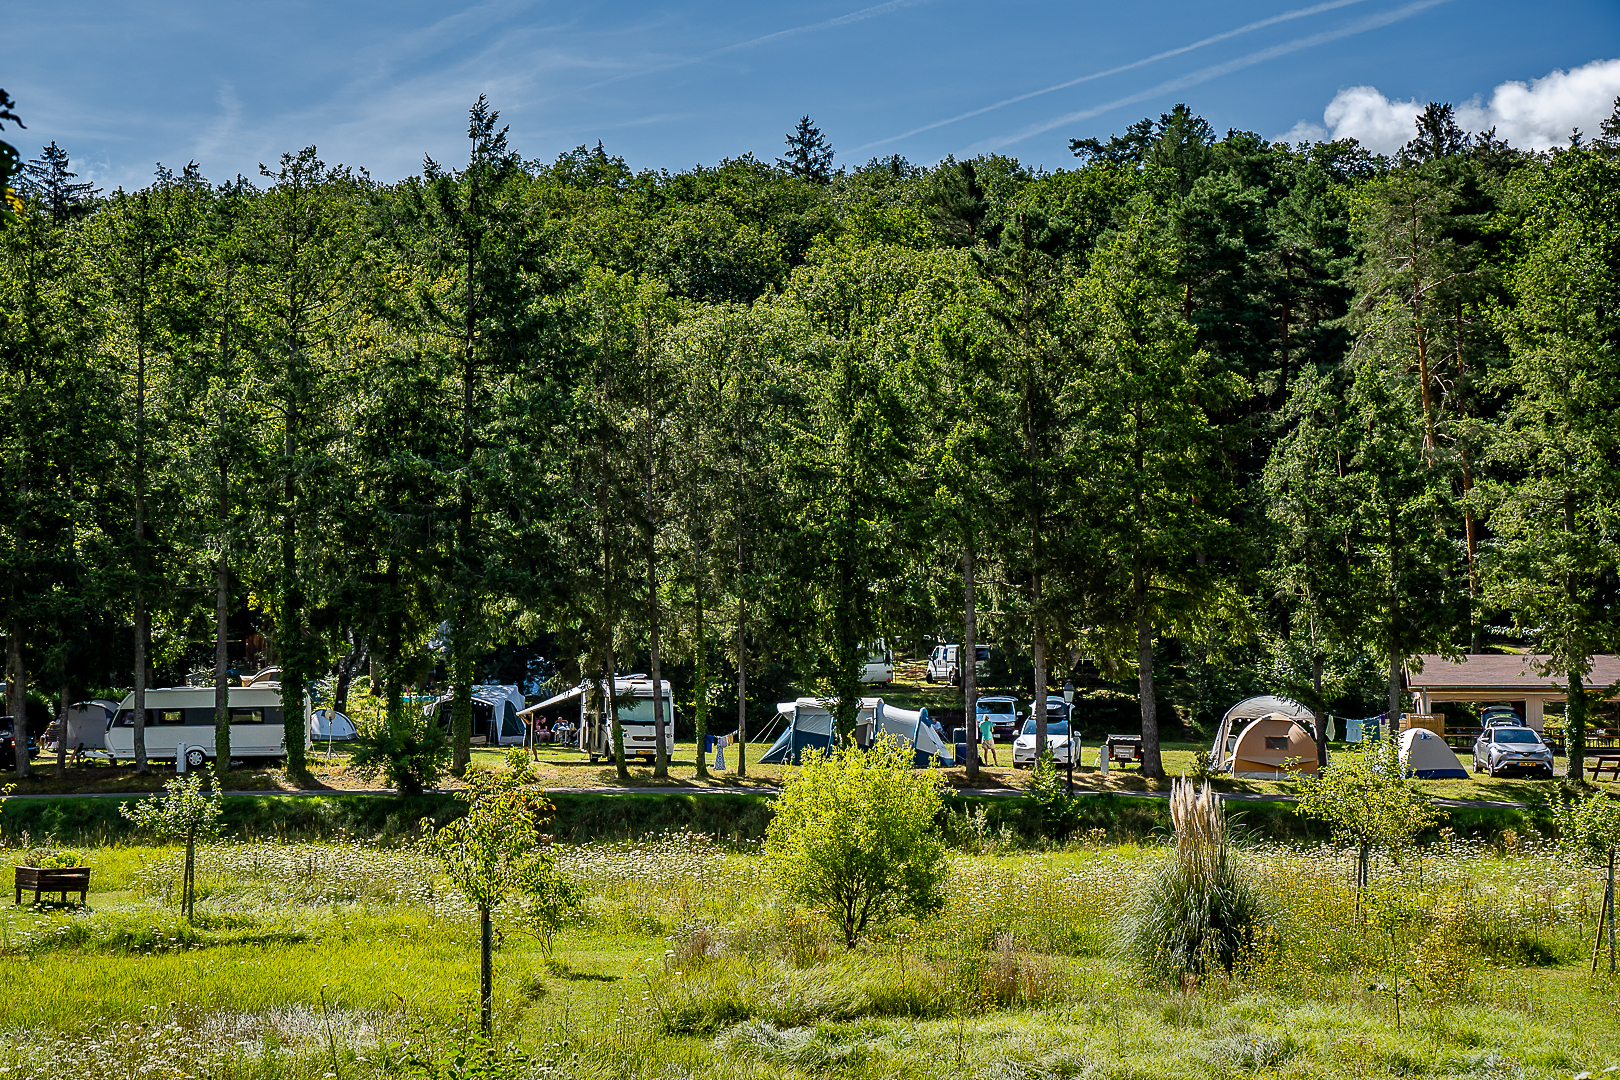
(1240, 716)
(1426, 756)
(914, 730)
(809, 727)
(329, 725)
(495, 715)
(1266, 747)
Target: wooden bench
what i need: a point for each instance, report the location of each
(1605, 763)
(75, 879)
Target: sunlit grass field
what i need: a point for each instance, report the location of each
(352, 960)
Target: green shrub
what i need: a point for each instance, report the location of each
(854, 837)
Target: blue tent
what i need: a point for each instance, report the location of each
(809, 727)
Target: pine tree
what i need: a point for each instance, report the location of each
(48, 179)
(10, 163)
(809, 154)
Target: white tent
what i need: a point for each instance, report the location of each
(1245, 712)
(329, 725)
(1426, 756)
(913, 728)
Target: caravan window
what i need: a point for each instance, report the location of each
(165, 716)
(247, 716)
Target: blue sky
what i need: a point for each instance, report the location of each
(124, 85)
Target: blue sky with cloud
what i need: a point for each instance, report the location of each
(124, 85)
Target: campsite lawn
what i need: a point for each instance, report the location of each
(348, 960)
(558, 767)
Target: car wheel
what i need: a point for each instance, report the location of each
(928, 675)
(195, 758)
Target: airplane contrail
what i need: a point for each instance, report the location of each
(1214, 71)
(1247, 28)
(826, 24)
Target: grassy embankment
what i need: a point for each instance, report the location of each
(341, 960)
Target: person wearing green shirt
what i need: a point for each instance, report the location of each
(987, 739)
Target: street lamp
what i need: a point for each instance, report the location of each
(1068, 701)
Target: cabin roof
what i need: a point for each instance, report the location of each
(1507, 674)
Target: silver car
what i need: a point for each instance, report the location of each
(1509, 748)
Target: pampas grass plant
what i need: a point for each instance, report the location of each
(1197, 912)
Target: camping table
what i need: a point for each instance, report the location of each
(1609, 763)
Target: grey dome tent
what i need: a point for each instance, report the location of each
(1426, 756)
(495, 715)
(810, 726)
(329, 725)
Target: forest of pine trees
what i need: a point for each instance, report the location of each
(1215, 414)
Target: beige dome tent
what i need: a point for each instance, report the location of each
(1259, 734)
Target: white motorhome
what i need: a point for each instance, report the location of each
(634, 694)
(184, 716)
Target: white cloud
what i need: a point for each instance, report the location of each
(1531, 116)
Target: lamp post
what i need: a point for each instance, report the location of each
(1068, 701)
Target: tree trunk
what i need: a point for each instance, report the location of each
(1321, 713)
(461, 676)
(1397, 690)
(700, 709)
(141, 764)
(1038, 649)
(62, 731)
(742, 691)
(486, 966)
(358, 649)
(290, 643)
(610, 713)
(139, 702)
(17, 695)
(660, 755)
(222, 686)
(1152, 763)
(1575, 710)
(969, 663)
(1397, 687)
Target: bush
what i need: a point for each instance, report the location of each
(854, 836)
(1197, 911)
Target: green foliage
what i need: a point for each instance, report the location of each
(854, 836)
(497, 853)
(408, 751)
(1589, 828)
(1367, 801)
(1059, 811)
(183, 811)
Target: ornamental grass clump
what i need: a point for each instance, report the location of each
(1198, 911)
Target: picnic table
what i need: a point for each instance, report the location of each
(1609, 763)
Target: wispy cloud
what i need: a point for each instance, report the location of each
(1213, 39)
(1214, 71)
(764, 39)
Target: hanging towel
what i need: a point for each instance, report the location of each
(1352, 731)
(1333, 729)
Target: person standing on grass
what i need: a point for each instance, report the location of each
(987, 739)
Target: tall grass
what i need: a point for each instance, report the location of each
(1199, 911)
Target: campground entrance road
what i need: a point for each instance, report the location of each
(676, 789)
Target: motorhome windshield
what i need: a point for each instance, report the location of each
(640, 710)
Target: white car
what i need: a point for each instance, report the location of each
(1057, 741)
(944, 661)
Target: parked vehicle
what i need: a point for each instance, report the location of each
(1512, 748)
(1058, 741)
(944, 664)
(8, 743)
(634, 694)
(1003, 713)
(879, 667)
(184, 716)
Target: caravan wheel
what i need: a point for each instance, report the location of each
(195, 758)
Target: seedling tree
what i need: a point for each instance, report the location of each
(1369, 804)
(854, 836)
(497, 853)
(1590, 829)
(183, 810)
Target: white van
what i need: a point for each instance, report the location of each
(878, 668)
(184, 715)
(944, 664)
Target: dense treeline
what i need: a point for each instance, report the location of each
(1215, 413)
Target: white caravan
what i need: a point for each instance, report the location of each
(184, 716)
(634, 694)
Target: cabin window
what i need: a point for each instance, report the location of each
(1276, 742)
(125, 718)
(247, 716)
